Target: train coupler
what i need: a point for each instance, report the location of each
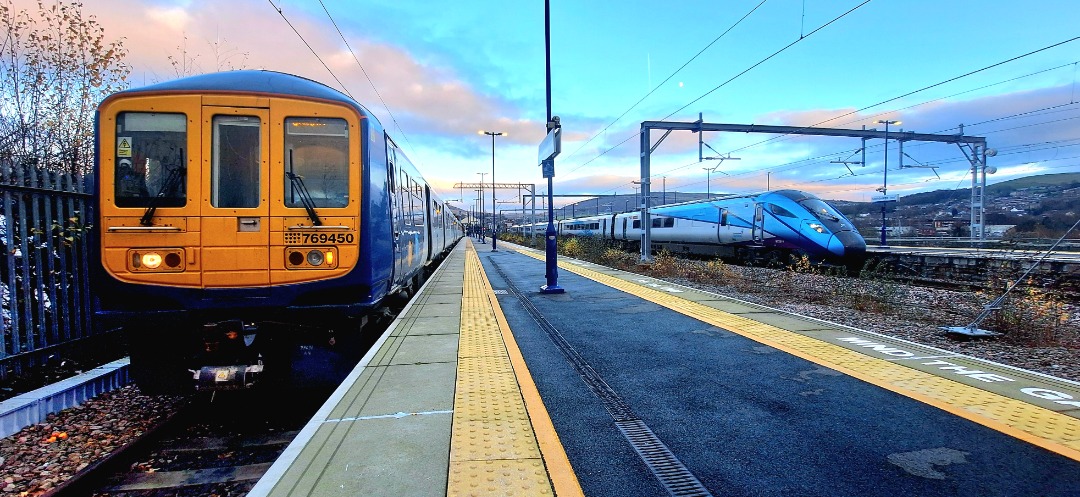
(236, 377)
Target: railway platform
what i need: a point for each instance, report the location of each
(627, 385)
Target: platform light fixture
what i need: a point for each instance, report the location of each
(494, 226)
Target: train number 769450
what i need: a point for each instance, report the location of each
(321, 238)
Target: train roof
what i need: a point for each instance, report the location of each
(251, 81)
(792, 194)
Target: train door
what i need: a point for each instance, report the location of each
(721, 224)
(234, 224)
(396, 211)
(759, 223)
(429, 210)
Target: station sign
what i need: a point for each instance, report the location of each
(885, 198)
(551, 146)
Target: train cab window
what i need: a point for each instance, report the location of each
(151, 160)
(236, 150)
(780, 211)
(317, 151)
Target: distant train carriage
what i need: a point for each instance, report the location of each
(245, 215)
(768, 227)
(763, 227)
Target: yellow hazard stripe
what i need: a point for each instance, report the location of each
(502, 441)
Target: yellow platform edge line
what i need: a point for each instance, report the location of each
(563, 477)
(553, 471)
(701, 312)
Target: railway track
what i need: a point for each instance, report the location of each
(219, 446)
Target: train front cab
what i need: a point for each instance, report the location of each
(220, 208)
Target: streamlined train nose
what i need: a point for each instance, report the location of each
(847, 244)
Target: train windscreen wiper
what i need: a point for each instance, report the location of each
(305, 197)
(171, 183)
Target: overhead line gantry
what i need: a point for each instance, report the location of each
(974, 148)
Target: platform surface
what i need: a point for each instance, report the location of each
(627, 385)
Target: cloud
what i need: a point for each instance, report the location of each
(202, 36)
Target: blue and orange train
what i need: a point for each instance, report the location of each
(248, 222)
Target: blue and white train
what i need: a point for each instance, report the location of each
(768, 227)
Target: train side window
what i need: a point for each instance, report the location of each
(151, 160)
(318, 152)
(780, 211)
(723, 217)
(657, 222)
(637, 224)
(235, 180)
(669, 222)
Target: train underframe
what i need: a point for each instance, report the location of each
(178, 352)
(752, 254)
(192, 353)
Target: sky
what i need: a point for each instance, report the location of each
(435, 73)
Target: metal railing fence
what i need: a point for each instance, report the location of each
(44, 284)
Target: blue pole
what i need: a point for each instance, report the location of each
(551, 245)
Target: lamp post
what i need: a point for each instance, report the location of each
(494, 227)
(885, 177)
(480, 232)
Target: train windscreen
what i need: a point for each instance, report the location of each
(318, 150)
(150, 159)
(832, 218)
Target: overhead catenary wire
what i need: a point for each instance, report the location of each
(662, 83)
(733, 78)
(313, 52)
(955, 78)
(364, 71)
(371, 82)
(1041, 111)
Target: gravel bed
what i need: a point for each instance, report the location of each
(41, 456)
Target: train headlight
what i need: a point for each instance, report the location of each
(151, 260)
(311, 258)
(167, 260)
(817, 227)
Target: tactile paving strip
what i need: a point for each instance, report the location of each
(493, 449)
(1043, 427)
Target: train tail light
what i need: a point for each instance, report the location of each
(311, 257)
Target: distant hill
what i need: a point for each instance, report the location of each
(1043, 205)
(1051, 182)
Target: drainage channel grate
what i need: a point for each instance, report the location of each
(501, 292)
(672, 474)
(668, 469)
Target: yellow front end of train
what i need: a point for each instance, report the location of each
(227, 191)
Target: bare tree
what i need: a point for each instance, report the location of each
(55, 67)
(185, 63)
